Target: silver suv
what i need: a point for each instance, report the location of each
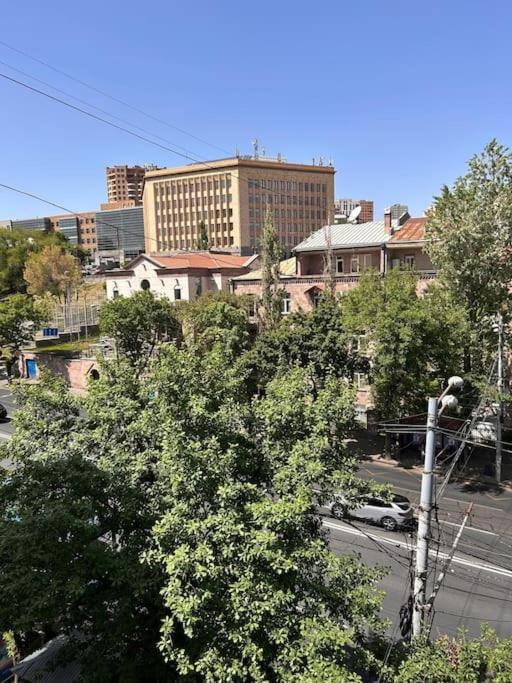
(396, 513)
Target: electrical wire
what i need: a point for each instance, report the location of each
(113, 98)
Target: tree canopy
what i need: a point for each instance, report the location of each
(470, 240)
(415, 341)
(52, 270)
(19, 317)
(15, 247)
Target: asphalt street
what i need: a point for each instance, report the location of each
(6, 426)
(478, 586)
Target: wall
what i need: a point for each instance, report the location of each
(74, 371)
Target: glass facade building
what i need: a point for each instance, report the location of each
(121, 230)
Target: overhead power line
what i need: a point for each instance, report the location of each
(112, 97)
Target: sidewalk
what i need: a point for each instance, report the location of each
(370, 446)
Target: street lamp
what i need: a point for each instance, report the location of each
(435, 408)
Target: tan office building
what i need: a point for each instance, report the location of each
(231, 197)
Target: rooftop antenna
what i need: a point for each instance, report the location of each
(255, 144)
(237, 152)
(321, 161)
(313, 161)
(263, 151)
(331, 162)
(354, 214)
(279, 157)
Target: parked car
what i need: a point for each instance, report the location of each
(3, 412)
(392, 514)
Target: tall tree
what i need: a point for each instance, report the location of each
(19, 318)
(414, 341)
(138, 324)
(15, 247)
(470, 239)
(147, 519)
(52, 270)
(213, 319)
(271, 254)
(203, 243)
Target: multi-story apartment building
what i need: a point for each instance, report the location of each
(231, 198)
(79, 228)
(125, 183)
(344, 207)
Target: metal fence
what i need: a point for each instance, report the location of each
(75, 316)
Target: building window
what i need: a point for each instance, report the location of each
(145, 285)
(177, 293)
(360, 380)
(340, 265)
(409, 261)
(286, 304)
(360, 262)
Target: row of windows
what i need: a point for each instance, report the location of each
(359, 262)
(287, 185)
(81, 221)
(213, 199)
(287, 199)
(291, 213)
(211, 227)
(193, 186)
(198, 215)
(191, 243)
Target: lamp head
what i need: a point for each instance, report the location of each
(455, 382)
(449, 401)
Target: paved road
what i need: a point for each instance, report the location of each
(478, 587)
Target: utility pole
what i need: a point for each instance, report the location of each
(435, 408)
(424, 518)
(499, 416)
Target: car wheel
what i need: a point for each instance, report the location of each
(339, 511)
(388, 523)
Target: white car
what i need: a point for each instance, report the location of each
(391, 515)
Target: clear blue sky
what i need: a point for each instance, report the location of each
(400, 93)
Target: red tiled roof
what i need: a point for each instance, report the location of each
(412, 230)
(205, 260)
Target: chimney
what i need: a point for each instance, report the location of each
(388, 228)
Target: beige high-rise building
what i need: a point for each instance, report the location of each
(231, 197)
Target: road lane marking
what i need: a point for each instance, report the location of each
(469, 528)
(482, 566)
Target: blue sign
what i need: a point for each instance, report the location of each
(50, 331)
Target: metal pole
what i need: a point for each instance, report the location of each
(499, 417)
(425, 509)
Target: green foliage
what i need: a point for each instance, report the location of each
(19, 316)
(458, 660)
(203, 243)
(315, 340)
(215, 319)
(178, 510)
(15, 247)
(138, 324)
(470, 238)
(271, 254)
(414, 341)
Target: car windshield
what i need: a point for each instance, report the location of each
(399, 499)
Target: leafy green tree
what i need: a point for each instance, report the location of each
(138, 324)
(177, 510)
(271, 254)
(458, 660)
(316, 340)
(73, 525)
(470, 239)
(415, 341)
(252, 589)
(15, 248)
(19, 317)
(52, 270)
(216, 318)
(203, 243)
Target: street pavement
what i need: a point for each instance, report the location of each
(7, 399)
(478, 586)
